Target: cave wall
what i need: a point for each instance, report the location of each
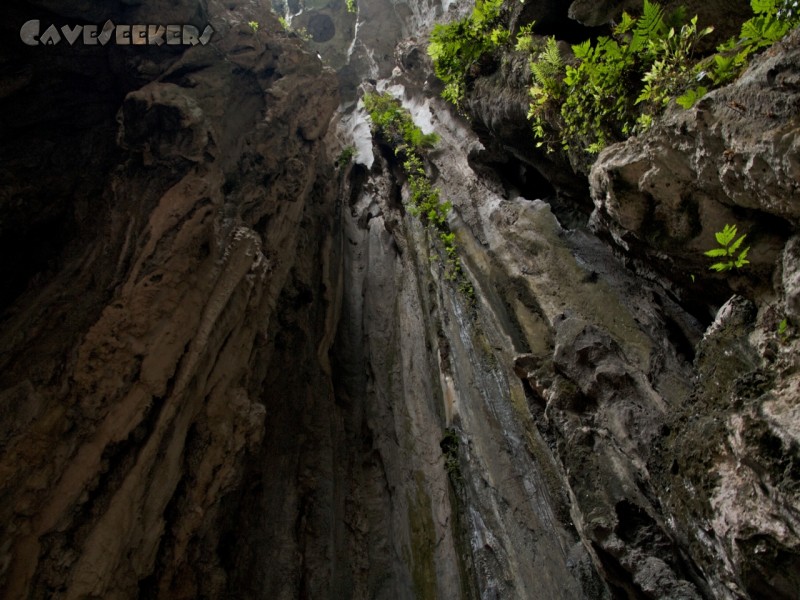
(231, 368)
(168, 198)
(680, 466)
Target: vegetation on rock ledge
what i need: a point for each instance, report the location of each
(394, 126)
(457, 47)
(611, 87)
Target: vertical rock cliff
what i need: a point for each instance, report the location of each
(161, 206)
(232, 366)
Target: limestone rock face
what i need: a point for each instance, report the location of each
(132, 387)
(232, 368)
(730, 159)
(676, 444)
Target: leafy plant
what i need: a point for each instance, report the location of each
(525, 41)
(350, 5)
(671, 73)
(254, 26)
(597, 105)
(616, 85)
(772, 20)
(303, 34)
(345, 156)
(548, 68)
(300, 32)
(620, 83)
(783, 329)
(547, 91)
(394, 126)
(690, 97)
(456, 48)
(728, 251)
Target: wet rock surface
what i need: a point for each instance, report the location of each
(651, 419)
(230, 368)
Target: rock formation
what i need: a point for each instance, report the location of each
(233, 366)
(181, 190)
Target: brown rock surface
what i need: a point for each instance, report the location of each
(130, 402)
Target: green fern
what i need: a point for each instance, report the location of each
(772, 20)
(729, 246)
(548, 68)
(458, 46)
(761, 7)
(649, 26)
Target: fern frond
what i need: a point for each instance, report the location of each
(551, 54)
(649, 26)
(742, 258)
(761, 7)
(549, 66)
(625, 25)
(719, 267)
(726, 236)
(735, 245)
(647, 93)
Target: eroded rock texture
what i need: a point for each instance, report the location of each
(678, 446)
(675, 444)
(732, 158)
(231, 369)
(732, 484)
(189, 198)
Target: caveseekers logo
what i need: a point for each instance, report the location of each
(123, 35)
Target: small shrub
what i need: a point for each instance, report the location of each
(303, 34)
(616, 85)
(772, 19)
(671, 73)
(394, 125)
(620, 83)
(525, 40)
(254, 26)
